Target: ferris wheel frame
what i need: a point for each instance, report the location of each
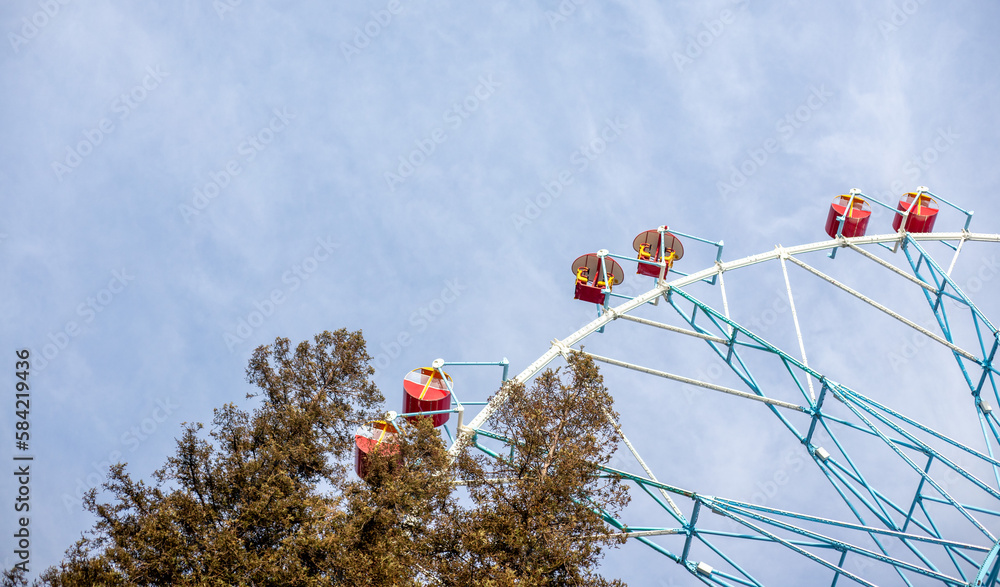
(890, 427)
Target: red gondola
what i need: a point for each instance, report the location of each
(923, 213)
(425, 390)
(595, 274)
(856, 213)
(378, 435)
(650, 246)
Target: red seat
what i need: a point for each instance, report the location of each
(591, 271)
(654, 246)
(589, 293)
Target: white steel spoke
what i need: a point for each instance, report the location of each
(954, 258)
(642, 463)
(879, 306)
(725, 299)
(706, 385)
(677, 329)
(893, 268)
(798, 330)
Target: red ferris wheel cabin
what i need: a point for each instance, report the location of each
(654, 246)
(595, 275)
(426, 390)
(856, 213)
(379, 435)
(923, 211)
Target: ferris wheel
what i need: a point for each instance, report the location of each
(893, 500)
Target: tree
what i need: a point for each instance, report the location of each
(14, 577)
(245, 508)
(266, 499)
(538, 516)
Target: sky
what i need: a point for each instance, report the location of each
(183, 182)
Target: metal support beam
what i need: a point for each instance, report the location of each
(676, 329)
(798, 330)
(706, 385)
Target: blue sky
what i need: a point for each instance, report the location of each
(183, 182)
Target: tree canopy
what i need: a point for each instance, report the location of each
(266, 496)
